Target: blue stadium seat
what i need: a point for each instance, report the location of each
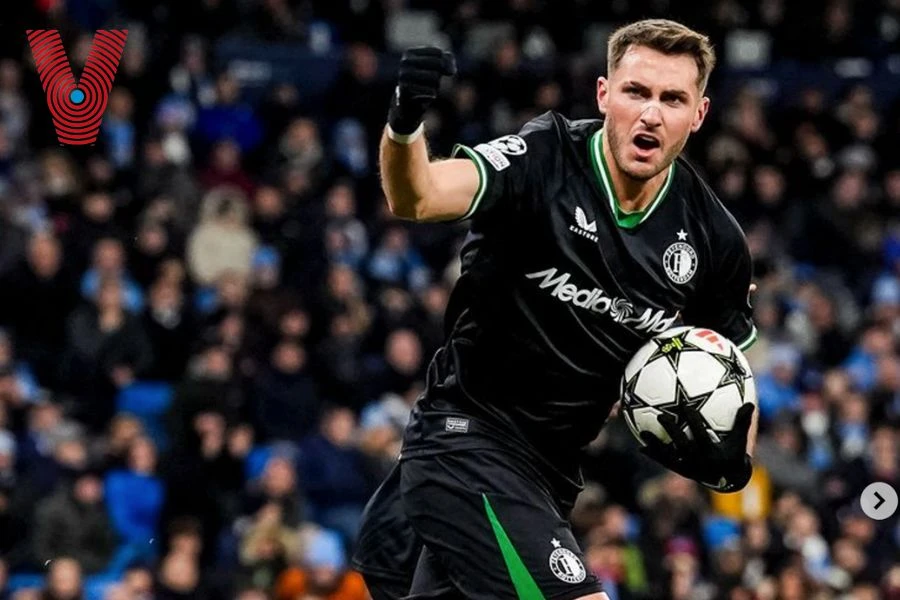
(148, 401)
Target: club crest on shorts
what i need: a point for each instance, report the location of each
(680, 260)
(566, 565)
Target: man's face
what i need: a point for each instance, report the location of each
(65, 579)
(652, 104)
(45, 256)
(89, 490)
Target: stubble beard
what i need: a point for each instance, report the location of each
(617, 147)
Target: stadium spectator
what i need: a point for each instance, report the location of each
(154, 244)
(395, 262)
(225, 168)
(228, 117)
(170, 327)
(333, 474)
(222, 242)
(381, 427)
(38, 295)
(401, 366)
(179, 577)
(64, 580)
(135, 495)
(287, 402)
(74, 522)
(108, 349)
(322, 572)
(109, 263)
(276, 497)
(119, 128)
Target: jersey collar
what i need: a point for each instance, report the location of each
(626, 220)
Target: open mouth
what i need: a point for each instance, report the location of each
(646, 142)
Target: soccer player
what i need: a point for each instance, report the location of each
(587, 238)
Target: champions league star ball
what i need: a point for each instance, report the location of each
(686, 367)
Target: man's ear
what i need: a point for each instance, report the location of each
(602, 94)
(700, 116)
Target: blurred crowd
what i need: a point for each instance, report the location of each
(212, 330)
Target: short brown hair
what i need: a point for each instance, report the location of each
(668, 37)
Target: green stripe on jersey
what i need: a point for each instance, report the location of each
(624, 219)
(523, 582)
(482, 178)
(751, 339)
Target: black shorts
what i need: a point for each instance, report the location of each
(487, 523)
(387, 548)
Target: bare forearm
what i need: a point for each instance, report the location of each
(405, 176)
(419, 189)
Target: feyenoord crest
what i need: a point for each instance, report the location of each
(566, 565)
(680, 260)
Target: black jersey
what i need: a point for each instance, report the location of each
(559, 288)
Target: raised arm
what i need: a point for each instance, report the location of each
(417, 188)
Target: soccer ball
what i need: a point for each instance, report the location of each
(686, 366)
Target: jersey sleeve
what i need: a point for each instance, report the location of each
(505, 170)
(723, 302)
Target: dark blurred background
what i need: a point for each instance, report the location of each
(212, 331)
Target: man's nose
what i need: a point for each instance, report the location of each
(651, 116)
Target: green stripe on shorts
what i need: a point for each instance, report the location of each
(523, 582)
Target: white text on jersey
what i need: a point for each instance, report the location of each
(596, 300)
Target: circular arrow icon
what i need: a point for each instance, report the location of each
(879, 500)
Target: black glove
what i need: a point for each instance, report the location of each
(421, 70)
(724, 466)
